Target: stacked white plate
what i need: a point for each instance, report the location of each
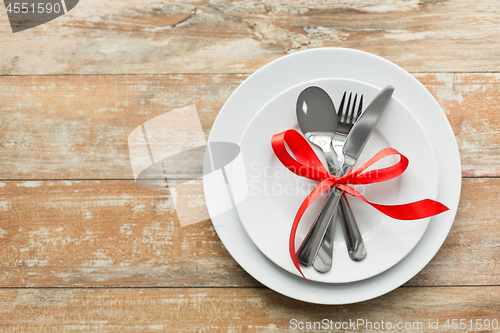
(256, 232)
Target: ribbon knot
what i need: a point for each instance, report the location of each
(305, 163)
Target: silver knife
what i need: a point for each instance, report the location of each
(355, 142)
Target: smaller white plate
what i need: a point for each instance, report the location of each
(273, 194)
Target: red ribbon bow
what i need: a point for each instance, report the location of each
(306, 164)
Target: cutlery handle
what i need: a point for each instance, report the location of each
(354, 240)
(324, 259)
(311, 244)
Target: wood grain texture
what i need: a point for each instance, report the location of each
(469, 255)
(76, 127)
(471, 103)
(105, 233)
(60, 127)
(234, 310)
(220, 36)
(112, 233)
(83, 248)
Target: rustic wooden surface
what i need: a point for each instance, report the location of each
(85, 249)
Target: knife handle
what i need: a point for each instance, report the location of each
(311, 244)
(324, 258)
(354, 241)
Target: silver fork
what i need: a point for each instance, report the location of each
(347, 116)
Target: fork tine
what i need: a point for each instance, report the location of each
(347, 110)
(353, 112)
(360, 108)
(341, 108)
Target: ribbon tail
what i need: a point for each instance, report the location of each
(409, 211)
(413, 210)
(320, 189)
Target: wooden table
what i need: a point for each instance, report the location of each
(83, 248)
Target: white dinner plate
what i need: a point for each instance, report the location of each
(299, 67)
(273, 193)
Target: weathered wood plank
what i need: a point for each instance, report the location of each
(112, 233)
(105, 233)
(76, 127)
(469, 256)
(61, 127)
(241, 310)
(192, 36)
(471, 103)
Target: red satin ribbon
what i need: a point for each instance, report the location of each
(306, 164)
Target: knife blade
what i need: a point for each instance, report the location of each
(355, 142)
(366, 123)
